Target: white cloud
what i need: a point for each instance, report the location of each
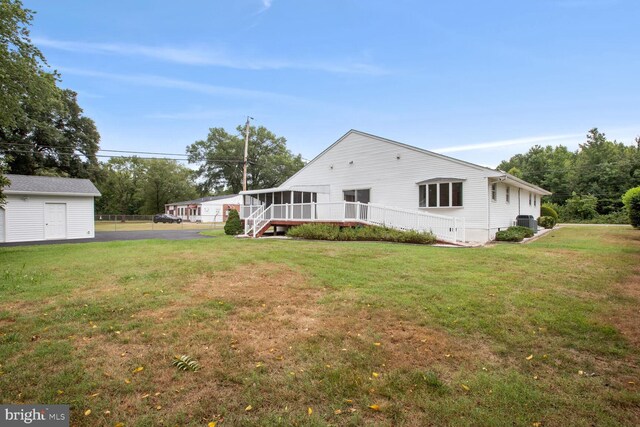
(169, 83)
(548, 140)
(205, 56)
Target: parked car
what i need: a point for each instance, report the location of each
(166, 218)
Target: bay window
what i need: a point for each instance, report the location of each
(440, 194)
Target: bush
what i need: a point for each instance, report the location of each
(547, 210)
(514, 234)
(546, 222)
(233, 226)
(580, 207)
(631, 200)
(334, 232)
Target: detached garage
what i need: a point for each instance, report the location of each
(47, 208)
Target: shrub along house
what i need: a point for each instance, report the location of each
(366, 179)
(47, 208)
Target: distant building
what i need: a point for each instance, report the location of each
(205, 209)
(47, 208)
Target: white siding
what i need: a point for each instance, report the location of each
(392, 171)
(213, 211)
(393, 181)
(25, 217)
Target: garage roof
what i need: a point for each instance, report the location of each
(29, 184)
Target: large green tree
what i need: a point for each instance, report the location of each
(137, 186)
(220, 159)
(42, 129)
(55, 141)
(24, 79)
(165, 181)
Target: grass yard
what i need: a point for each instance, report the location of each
(149, 225)
(318, 333)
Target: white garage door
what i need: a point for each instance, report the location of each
(2, 238)
(55, 220)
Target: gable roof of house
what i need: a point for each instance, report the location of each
(493, 173)
(31, 184)
(204, 199)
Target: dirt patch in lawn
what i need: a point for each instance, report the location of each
(273, 305)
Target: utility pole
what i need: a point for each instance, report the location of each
(246, 154)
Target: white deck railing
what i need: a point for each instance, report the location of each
(446, 228)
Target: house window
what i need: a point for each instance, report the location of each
(494, 191)
(535, 199)
(529, 199)
(362, 196)
(440, 195)
(508, 194)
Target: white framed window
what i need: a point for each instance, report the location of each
(440, 195)
(529, 198)
(508, 195)
(535, 199)
(494, 191)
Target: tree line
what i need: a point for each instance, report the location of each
(587, 184)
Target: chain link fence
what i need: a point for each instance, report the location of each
(113, 222)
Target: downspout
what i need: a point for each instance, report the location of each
(488, 195)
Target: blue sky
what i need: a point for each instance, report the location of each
(479, 81)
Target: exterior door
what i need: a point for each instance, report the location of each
(55, 220)
(352, 211)
(2, 228)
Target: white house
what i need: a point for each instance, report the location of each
(364, 178)
(205, 209)
(47, 208)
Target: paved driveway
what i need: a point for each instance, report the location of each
(111, 236)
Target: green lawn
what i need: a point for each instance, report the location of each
(317, 333)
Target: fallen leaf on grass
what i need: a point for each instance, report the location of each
(159, 407)
(60, 392)
(211, 424)
(138, 369)
(337, 411)
(377, 344)
(529, 357)
(119, 425)
(248, 408)
(87, 412)
(127, 381)
(309, 411)
(465, 387)
(374, 407)
(375, 374)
